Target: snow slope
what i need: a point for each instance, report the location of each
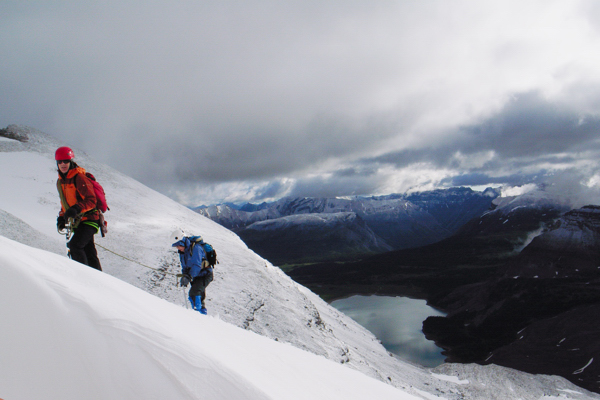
(81, 334)
(248, 292)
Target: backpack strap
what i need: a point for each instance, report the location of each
(63, 199)
(193, 244)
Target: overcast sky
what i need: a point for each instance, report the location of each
(211, 101)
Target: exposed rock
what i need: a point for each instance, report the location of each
(14, 132)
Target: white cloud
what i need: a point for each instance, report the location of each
(217, 92)
(510, 191)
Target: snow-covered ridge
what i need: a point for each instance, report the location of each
(248, 292)
(304, 220)
(389, 206)
(393, 222)
(533, 199)
(76, 333)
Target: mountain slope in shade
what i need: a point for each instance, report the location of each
(471, 255)
(538, 313)
(568, 247)
(396, 221)
(306, 237)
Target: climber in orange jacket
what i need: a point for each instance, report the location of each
(78, 207)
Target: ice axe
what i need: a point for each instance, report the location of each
(68, 232)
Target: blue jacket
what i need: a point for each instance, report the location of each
(191, 263)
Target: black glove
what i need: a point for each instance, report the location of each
(60, 222)
(72, 212)
(185, 280)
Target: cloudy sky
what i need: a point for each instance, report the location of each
(211, 101)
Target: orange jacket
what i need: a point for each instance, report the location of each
(78, 190)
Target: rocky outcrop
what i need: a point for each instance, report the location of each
(537, 314)
(568, 247)
(14, 132)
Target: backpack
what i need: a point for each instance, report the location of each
(99, 192)
(211, 254)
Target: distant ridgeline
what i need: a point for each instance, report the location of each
(13, 132)
(302, 230)
(520, 285)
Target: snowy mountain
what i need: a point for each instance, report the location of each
(77, 333)
(393, 221)
(568, 246)
(485, 243)
(306, 237)
(512, 222)
(455, 206)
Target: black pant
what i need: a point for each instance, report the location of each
(199, 286)
(82, 246)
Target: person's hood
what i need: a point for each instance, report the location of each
(185, 242)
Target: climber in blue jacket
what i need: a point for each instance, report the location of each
(194, 268)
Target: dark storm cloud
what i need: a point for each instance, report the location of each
(403, 158)
(531, 126)
(234, 99)
(256, 88)
(251, 152)
(353, 181)
(334, 186)
(527, 131)
(355, 171)
(272, 190)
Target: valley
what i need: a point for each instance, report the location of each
(519, 283)
(532, 309)
(309, 230)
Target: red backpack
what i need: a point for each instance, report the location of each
(99, 192)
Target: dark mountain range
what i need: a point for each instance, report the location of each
(520, 284)
(473, 254)
(313, 236)
(390, 222)
(539, 312)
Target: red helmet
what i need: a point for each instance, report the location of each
(64, 153)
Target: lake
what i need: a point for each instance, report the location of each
(397, 322)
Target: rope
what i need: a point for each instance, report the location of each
(136, 262)
(146, 266)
